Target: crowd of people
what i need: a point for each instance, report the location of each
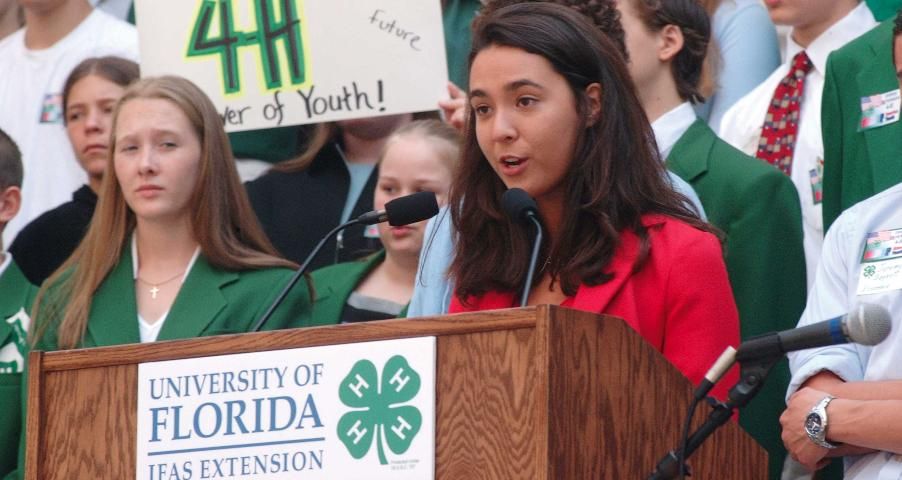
(691, 177)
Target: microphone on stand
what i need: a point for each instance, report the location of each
(400, 211)
(523, 209)
(866, 324)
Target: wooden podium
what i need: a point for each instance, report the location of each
(535, 393)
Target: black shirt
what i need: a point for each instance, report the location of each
(45, 243)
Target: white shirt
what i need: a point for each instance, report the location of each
(31, 87)
(668, 130)
(671, 126)
(741, 125)
(7, 260)
(150, 331)
(835, 293)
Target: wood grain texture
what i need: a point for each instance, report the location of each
(282, 339)
(91, 411)
(35, 409)
(616, 406)
(539, 393)
(486, 412)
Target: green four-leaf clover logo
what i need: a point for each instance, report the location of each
(377, 411)
(869, 271)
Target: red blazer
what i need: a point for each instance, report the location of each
(680, 301)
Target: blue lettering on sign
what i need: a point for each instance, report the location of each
(210, 418)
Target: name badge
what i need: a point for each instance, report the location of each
(881, 263)
(816, 178)
(371, 231)
(52, 108)
(879, 110)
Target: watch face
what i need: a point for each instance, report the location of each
(813, 424)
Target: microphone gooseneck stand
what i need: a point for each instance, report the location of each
(300, 272)
(752, 373)
(536, 245)
(400, 211)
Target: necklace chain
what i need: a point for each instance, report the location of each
(155, 287)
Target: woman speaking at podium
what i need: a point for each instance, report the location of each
(173, 250)
(552, 110)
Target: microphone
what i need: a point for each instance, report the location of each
(400, 211)
(720, 367)
(866, 324)
(404, 210)
(523, 209)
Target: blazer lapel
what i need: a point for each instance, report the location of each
(882, 142)
(198, 302)
(14, 289)
(596, 298)
(114, 310)
(332, 294)
(689, 156)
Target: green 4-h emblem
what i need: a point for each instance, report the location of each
(378, 413)
(869, 271)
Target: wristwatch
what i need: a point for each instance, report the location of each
(816, 423)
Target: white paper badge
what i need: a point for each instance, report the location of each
(881, 263)
(879, 110)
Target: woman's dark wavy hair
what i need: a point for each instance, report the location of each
(616, 175)
(692, 20)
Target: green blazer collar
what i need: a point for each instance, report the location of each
(16, 293)
(114, 310)
(690, 155)
(337, 293)
(879, 76)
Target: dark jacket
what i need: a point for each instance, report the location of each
(45, 243)
(297, 209)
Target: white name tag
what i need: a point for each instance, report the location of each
(881, 263)
(879, 110)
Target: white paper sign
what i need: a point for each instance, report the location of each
(268, 63)
(363, 410)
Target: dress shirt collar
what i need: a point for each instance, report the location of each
(671, 126)
(856, 22)
(7, 261)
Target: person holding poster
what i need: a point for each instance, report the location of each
(419, 156)
(553, 111)
(300, 200)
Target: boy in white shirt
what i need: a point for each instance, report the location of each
(786, 131)
(35, 62)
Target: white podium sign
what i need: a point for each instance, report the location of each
(363, 410)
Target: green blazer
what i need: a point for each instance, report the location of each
(211, 302)
(884, 9)
(334, 284)
(757, 208)
(858, 164)
(16, 297)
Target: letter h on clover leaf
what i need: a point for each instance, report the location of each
(378, 413)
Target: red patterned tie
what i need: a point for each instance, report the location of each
(781, 126)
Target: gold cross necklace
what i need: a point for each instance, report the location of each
(155, 287)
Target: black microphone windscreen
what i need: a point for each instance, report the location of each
(518, 204)
(868, 324)
(411, 208)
